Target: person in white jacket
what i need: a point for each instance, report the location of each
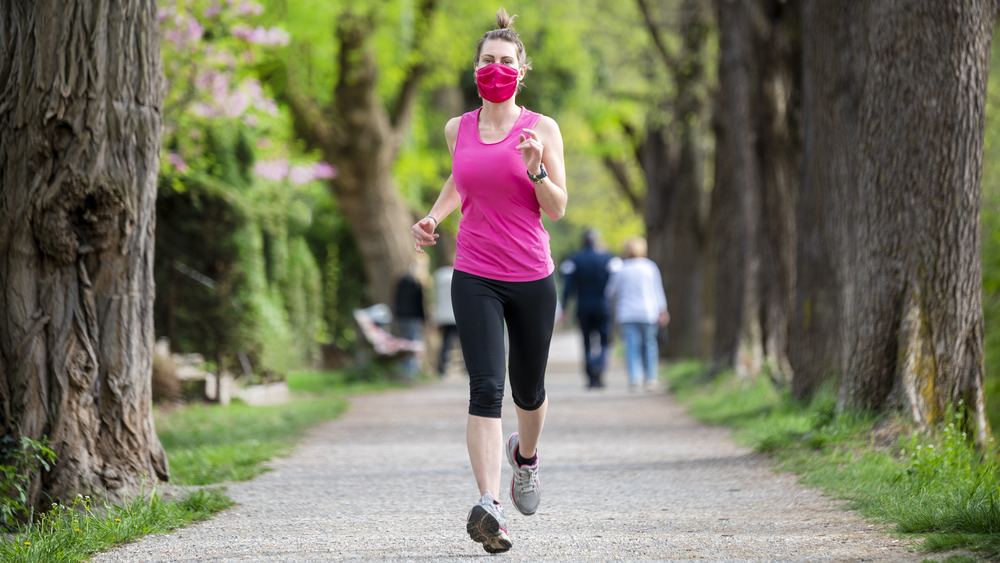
(639, 306)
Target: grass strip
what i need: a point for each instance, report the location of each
(76, 532)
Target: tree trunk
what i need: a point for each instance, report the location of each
(779, 84)
(919, 299)
(361, 138)
(80, 109)
(828, 202)
(682, 249)
(737, 340)
(673, 160)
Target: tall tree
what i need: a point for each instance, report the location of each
(919, 340)
(757, 124)
(735, 224)
(777, 48)
(362, 135)
(673, 155)
(829, 200)
(81, 91)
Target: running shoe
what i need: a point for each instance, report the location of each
(488, 526)
(525, 491)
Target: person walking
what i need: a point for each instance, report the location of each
(444, 313)
(585, 276)
(410, 316)
(640, 309)
(507, 168)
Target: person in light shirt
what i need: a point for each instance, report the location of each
(640, 309)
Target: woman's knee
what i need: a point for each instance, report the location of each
(529, 398)
(485, 397)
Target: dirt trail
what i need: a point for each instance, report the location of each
(624, 477)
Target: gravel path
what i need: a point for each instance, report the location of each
(624, 477)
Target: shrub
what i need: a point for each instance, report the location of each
(20, 460)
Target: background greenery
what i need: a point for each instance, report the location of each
(281, 262)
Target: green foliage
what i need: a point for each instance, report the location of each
(75, 532)
(937, 486)
(590, 74)
(20, 460)
(236, 192)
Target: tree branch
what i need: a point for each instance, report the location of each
(403, 108)
(308, 119)
(669, 61)
(620, 173)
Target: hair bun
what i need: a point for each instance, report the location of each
(505, 21)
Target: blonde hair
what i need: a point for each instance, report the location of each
(634, 248)
(505, 31)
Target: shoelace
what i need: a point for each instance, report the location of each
(525, 478)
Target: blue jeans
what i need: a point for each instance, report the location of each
(411, 328)
(642, 351)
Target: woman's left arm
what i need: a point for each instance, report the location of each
(544, 144)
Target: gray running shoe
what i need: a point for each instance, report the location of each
(525, 492)
(488, 526)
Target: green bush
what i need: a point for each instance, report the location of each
(21, 459)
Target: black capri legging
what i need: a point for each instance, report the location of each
(481, 307)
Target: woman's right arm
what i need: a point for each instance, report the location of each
(448, 200)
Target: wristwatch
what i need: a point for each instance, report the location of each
(541, 175)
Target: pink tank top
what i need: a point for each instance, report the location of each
(500, 235)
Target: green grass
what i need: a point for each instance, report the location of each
(935, 488)
(74, 533)
(205, 444)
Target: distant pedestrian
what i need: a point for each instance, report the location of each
(585, 276)
(410, 316)
(444, 313)
(640, 309)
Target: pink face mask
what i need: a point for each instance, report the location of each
(497, 82)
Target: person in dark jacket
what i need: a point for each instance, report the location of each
(410, 316)
(585, 276)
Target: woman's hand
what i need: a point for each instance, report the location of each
(423, 233)
(531, 150)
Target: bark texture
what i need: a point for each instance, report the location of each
(673, 158)
(919, 340)
(672, 152)
(81, 91)
(737, 340)
(361, 136)
(776, 29)
(829, 199)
